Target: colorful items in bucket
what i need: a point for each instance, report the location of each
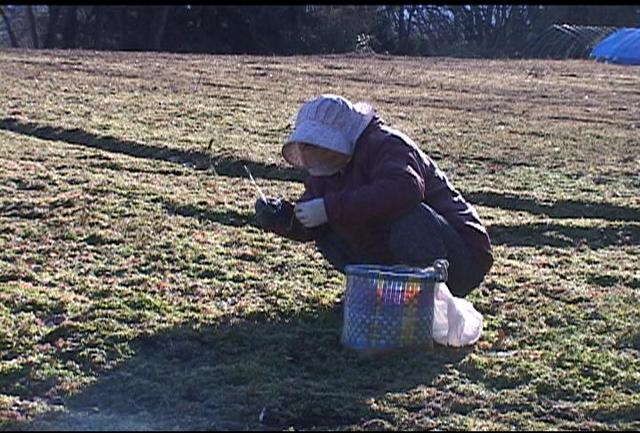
(390, 307)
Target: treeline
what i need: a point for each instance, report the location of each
(461, 30)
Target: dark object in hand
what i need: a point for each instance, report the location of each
(273, 213)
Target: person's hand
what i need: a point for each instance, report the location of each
(311, 213)
(267, 212)
(272, 213)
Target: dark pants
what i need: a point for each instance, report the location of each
(416, 239)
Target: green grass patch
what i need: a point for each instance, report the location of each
(137, 292)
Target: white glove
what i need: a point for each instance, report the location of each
(311, 213)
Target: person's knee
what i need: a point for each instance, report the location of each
(462, 283)
(421, 236)
(419, 216)
(334, 250)
(415, 237)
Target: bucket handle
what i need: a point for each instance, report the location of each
(441, 267)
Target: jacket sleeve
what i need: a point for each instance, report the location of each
(396, 186)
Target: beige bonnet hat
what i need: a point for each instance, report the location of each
(328, 121)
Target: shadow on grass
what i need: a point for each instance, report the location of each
(525, 235)
(227, 217)
(255, 374)
(557, 235)
(559, 209)
(199, 159)
(234, 167)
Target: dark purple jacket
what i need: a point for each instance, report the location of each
(387, 176)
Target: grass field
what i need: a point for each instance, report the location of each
(137, 292)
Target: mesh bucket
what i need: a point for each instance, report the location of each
(390, 307)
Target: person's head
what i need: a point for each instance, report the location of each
(326, 130)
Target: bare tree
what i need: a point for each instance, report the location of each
(478, 30)
(402, 19)
(32, 26)
(160, 14)
(7, 22)
(70, 27)
(434, 25)
(54, 14)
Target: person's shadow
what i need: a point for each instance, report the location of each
(258, 373)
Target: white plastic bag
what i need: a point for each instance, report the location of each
(455, 321)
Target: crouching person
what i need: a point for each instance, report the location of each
(372, 196)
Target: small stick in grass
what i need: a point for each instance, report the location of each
(262, 196)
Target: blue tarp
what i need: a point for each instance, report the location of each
(622, 46)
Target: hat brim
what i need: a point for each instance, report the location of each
(317, 134)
